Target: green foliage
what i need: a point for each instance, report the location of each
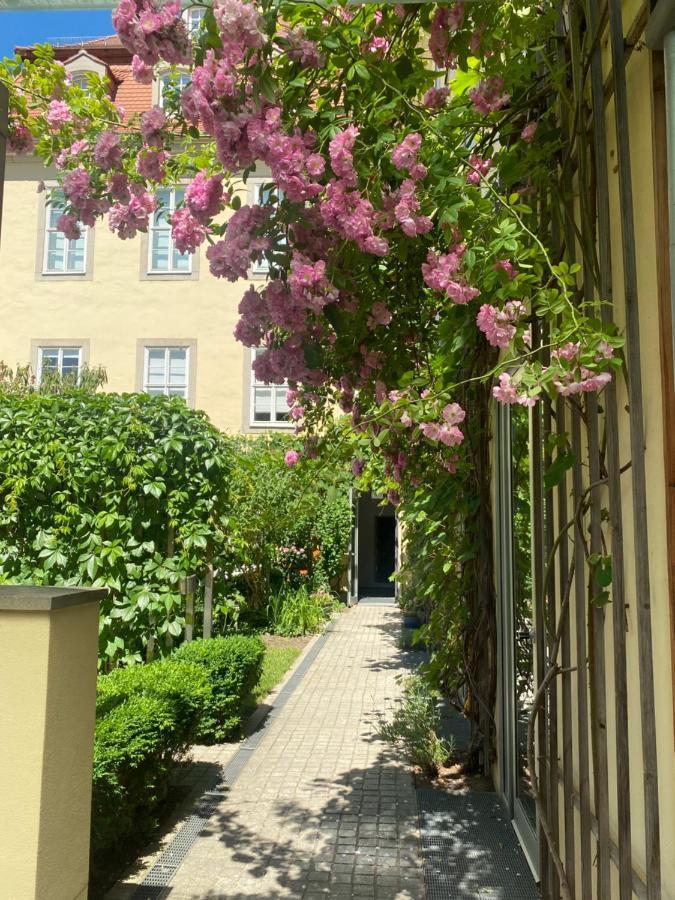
(124, 491)
(23, 381)
(299, 611)
(233, 666)
(286, 521)
(184, 685)
(414, 727)
(134, 752)
(277, 662)
(147, 717)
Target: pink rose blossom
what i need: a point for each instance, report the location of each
(141, 72)
(187, 232)
(20, 139)
(204, 196)
(107, 152)
(507, 393)
(479, 168)
(291, 458)
(488, 95)
(58, 114)
(529, 131)
(499, 326)
(152, 122)
(68, 225)
(436, 97)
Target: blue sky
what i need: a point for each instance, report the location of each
(22, 28)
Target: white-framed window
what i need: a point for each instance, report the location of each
(180, 81)
(193, 19)
(62, 256)
(268, 401)
(166, 371)
(66, 361)
(79, 79)
(163, 257)
(262, 189)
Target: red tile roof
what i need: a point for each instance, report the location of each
(132, 96)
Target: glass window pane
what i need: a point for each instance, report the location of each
(177, 365)
(179, 195)
(181, 261)
(56, 245)
(262, 404)
(160, 250)
(178, 392)
(155, 391)
(75, 258)
(54, 211)
(50, 358)
(156, 367)
(281, 407)
(70, 360)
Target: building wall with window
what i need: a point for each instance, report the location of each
(156, 320)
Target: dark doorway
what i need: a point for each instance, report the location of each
(374, 548)
(385, 548)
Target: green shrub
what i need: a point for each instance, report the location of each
(415, 726)
(233, 666)
(292, 612)
(185, 686)
(126, 492)
(147, 716)
(134, 752)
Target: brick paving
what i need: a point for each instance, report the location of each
(322, 808)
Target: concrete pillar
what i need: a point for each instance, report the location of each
(48, 652)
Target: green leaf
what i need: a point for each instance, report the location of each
(556, 471)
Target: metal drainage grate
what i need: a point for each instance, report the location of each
(159, 877)
(470, 849)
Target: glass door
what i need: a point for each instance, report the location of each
(516, 623)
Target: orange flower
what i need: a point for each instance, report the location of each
(304, 572)
(316, 553)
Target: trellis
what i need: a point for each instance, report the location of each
(576, 670)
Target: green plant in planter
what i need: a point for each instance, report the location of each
(414, 728)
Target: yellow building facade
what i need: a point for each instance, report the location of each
(156, 321)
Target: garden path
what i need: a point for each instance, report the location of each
(322, 808)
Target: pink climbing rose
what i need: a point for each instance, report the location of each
(291, 458)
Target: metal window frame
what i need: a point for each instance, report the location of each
(506, 631)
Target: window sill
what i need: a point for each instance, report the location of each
(48, 274)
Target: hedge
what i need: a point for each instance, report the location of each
(148, 715)
(233, 665)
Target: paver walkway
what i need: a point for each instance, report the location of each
(322, 808)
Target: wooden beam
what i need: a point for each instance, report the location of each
(637, 446)
(660, 145)
(566, 662)
(612, 463)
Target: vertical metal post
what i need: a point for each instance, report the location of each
(208, 603)
(187, 589)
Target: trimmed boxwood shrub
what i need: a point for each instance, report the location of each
(134, 751)
(185, 686)
(146, 716)
(233, 666)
